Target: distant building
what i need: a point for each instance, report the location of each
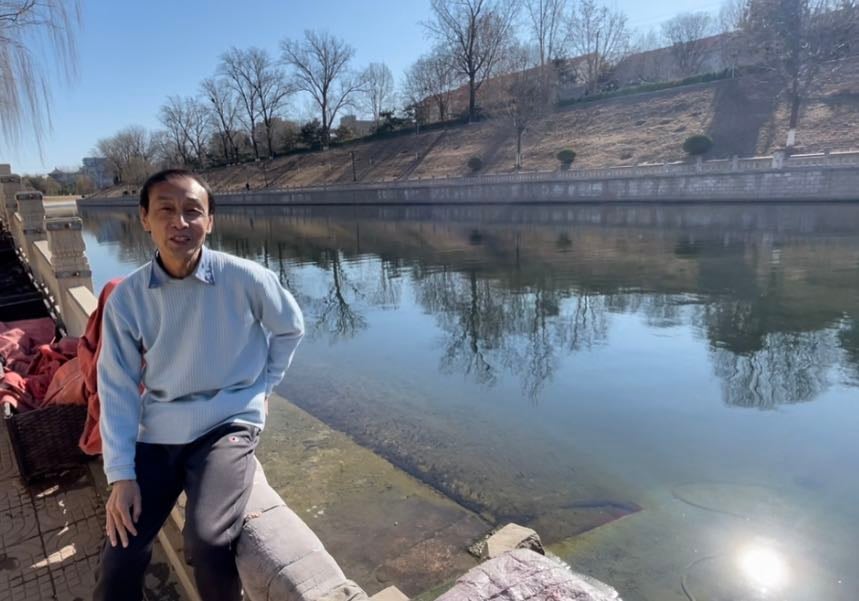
(98, 170)
(358, 127)
(64, 178)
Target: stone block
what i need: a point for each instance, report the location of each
(510, 537)
(31, 208)
(68, 250)
(524, 574)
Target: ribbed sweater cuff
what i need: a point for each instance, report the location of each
(120, 472)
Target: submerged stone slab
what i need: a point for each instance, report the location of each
(524, 574)
(391, 593)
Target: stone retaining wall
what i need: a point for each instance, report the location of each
(803, 183)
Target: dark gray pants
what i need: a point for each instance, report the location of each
(216, 472)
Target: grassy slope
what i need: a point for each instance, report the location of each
(744, 117)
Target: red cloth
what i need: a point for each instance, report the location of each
(89, 347)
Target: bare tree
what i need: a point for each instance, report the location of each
(379, 88)
(685, 35)
(223, 114)
(545, 20)
(646, 64)
(798, 38)
(236, 68)
(430, 81)
(129, 153)
(272, 90)
(526, 97)
(475, 33)
(731, 15)
(187, 126)
(320, 64)
(600, 36)
(30, 30)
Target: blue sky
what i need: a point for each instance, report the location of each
(135, 54)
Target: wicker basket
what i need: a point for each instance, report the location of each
(45, 441)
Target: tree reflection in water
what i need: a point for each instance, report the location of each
(791, 367)
(515, 290)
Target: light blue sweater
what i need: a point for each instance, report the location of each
(207, 349)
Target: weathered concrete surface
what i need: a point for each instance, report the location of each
(524, 574)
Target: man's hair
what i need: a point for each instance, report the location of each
(167, 175)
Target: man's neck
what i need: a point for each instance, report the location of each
(181, 269)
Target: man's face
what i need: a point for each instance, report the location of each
(178, 219)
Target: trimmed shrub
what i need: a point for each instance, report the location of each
(566, 157)
(475, 164)
(697, 145)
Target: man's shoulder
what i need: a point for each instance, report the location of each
(232, 265)
(133, 282)
(129, 294)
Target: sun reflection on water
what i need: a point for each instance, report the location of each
(763, 568)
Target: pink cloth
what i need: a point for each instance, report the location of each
(37, 372)
(27, 389)
(19, 340)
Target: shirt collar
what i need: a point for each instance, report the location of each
(203, 272)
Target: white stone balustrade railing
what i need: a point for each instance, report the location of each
(9, 186)
(29, 221)
(56, 254)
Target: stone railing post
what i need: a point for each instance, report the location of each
(9, 186)
(31, 229)
(778, 159)
(68, 259)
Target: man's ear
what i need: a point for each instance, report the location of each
(144, 219)
(211, 224)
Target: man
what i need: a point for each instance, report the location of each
(193, 343)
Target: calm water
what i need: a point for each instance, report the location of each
(695, 369)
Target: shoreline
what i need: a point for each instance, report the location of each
(823, 177)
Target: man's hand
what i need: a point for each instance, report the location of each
(123, 510)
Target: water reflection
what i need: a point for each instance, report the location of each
(773, 290)
(764, 568)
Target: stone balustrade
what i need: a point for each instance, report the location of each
(9, 186)
(54, 250)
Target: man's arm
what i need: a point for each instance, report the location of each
(282, 318)
(120, 367)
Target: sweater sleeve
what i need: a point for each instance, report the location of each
(120, 368)
(281, 316)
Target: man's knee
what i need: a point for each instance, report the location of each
(207, 542)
